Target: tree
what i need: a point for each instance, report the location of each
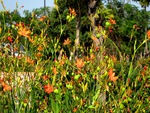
(145, 3)
(130, 25)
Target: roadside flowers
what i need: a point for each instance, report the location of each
(39, 54)
(54, 70)
(136, 27)
(79, 63)
(40, 48)
(114, 59)
(6, 87)
(94, 38)
(45, 77)
(10, 39)
(112, 21)
(25, 32)
(72, 11)
(67, 41)
(111, 75)
(48, 88)
(42, 18)
(148, 34)
(30, 61)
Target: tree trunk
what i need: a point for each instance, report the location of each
(78, 26)
(98, 43)
(146, 44)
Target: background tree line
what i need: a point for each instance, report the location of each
(131, 22)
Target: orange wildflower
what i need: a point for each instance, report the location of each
(145, 68)
(40, 48)
(62, 62)
(45, 77)
(110, 29)
(55, 70)
(67, 41)
(92, 56)
(111, 75)
(48, 88)
(38, 54)
(112, 21)
(29, 60)
(42, 18)
(72, 11)
(25, 32)
(134, 26)
(148, 34)
(114, 59)
(79, 63)
(10, 39)
(75, 109)
(6, 87)
(94, 38)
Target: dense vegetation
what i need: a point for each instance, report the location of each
(79, 56)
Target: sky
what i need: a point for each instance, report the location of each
(31, 4)
(28, 4)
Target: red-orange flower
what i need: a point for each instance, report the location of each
(40, 48)
(10, 39)
(114, 59)
(148, 34)
(23, 31)
(67, 41)
(94, 38)
(111, 75)
(42, 18)
(136, 27)
(79, 63)
(48, 88)
(72, 11)
(30, 61)
(45, 77)
(55, 70)
(6, 87)
(92, 56)
(75, 109)
(112, 21)
(38, 54)
(145, 68)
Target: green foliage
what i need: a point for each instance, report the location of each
(109, 78)
(130, 25)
